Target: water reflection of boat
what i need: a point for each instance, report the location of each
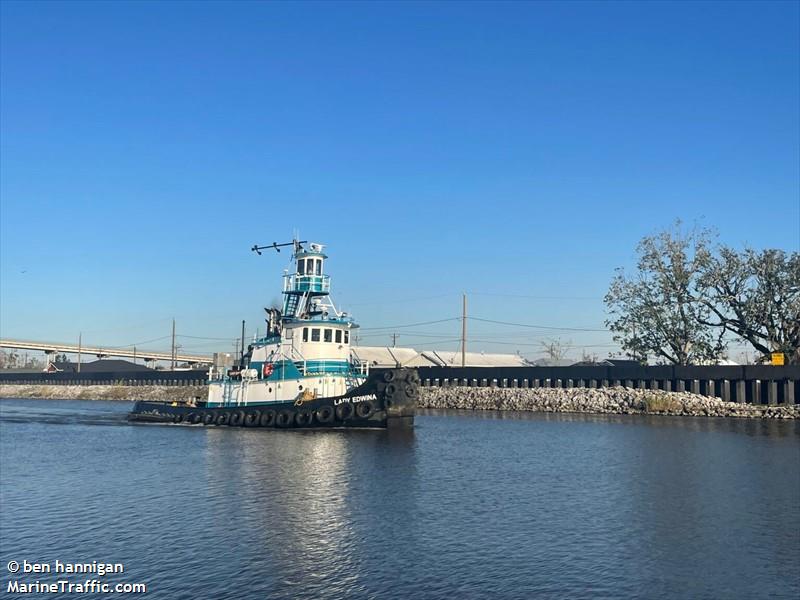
(323, 490)
(301, 373)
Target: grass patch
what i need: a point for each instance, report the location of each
(661, 403)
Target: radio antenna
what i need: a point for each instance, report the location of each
(275, 246)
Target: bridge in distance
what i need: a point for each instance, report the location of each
(100, 352)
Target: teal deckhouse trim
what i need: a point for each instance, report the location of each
(282, 369)
(314, 367)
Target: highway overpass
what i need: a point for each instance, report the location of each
(102, 352)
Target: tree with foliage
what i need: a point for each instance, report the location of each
(756, 295)
(662, 310)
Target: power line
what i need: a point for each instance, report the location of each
(164, 337)
(410, 334)
(197, 337)
(539, 344)
(410, 325)
(538, 326)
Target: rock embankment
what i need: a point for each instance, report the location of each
(103, 392)
(616, 400)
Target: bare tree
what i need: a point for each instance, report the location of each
(661, 310)
(555, 349)
(588, 357)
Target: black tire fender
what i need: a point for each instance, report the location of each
(304, 418)
(178, 418)
(236, 418)
(267, 418)
(364, 409)
(194, 418)
(285, 418)
(412, 377)
(222, 418)
(208, 418)
(252, 418)
(325, 414)
(344, 411)
(388, 376)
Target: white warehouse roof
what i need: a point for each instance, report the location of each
(442, 358)
(379, 356)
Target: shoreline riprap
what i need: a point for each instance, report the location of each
(614, 400)
(127, 393)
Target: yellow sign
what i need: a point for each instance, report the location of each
(777, 358)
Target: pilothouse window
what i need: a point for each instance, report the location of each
(305, 334)
(338, 336)
(301, 266)
(315, 335)
(319, 267)
(329, 335)
(346, 337)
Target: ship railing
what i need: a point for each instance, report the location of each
(307, 283)
(359, 367)
(298, 359)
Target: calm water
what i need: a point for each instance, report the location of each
(466, 506)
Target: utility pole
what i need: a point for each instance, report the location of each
(464, 332)
(394, 340)
(173, 344)
(134, 355)
(80, 340)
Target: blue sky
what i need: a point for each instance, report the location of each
(513, 151)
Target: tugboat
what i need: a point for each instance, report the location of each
(301, 373)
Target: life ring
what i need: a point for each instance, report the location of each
(344, 411)
(208, 418)
(325, 414)
(364, 410)
(267, 369)
(237, 418)
(251, 418)
(388, 376)
(194, 418)
(285, 418)
(303, 418)
(267, 418)
(222, 418)
(178, 418)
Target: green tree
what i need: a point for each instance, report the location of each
(756, 295)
